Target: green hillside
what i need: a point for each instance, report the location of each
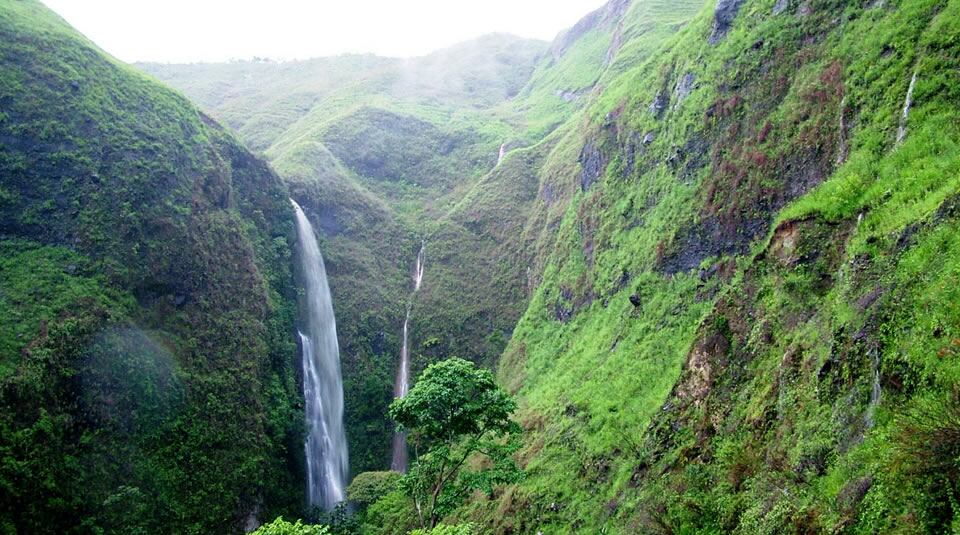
(743, 324)
(709, 248)
(148, 302)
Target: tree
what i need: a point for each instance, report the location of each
(369, 487)
(454, 412)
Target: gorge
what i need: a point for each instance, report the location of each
(710, 249)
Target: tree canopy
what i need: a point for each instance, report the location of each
(453, 412)
(453, 399)
(283, 527)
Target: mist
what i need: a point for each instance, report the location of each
(180, 31)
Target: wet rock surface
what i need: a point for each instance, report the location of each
(593, 163)
(684, 86)
(723, 17)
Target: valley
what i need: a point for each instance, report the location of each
(708, 250)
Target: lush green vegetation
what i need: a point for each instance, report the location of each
(385, 153)
(283, 527)
(147, 301)
(696, 359)
(717, 268)
(444, 529)
(453, 414)
(458, 421)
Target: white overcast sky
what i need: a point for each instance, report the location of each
(178, 31)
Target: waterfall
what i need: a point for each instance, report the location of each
(503, 152)
(402, 384)
(842, 147)
(418, 269)
(902, 130)
(326, 445)
(870, 417)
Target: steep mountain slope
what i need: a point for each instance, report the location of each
(147, 358)
(717, 242)
(746, 321)
(450, 148)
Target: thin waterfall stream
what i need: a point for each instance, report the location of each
(326, 444)
(905, 114)
(875, 389)
(402, 384)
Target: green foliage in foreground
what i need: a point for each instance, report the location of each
(444, 529)
(453, 413)
(393, 514)
(282, 527)
(368, 487)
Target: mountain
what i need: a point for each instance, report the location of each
(148, 302)
(746, 319)
(740, 313)
(710, 248)
(410, 151)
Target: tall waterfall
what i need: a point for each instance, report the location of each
(402, 384)
(326, 447)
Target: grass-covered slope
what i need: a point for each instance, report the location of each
(147, 363)
(263, 99)
(746, 317)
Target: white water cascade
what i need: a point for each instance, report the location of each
(905, 114)
(326, 446)
(402, 384)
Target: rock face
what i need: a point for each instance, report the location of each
(659, 104)
(593, 163)
(684, 86)
(723, 17)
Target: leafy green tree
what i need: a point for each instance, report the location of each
(282, 527)
(393, 514)
(369, 487)
(453, 412)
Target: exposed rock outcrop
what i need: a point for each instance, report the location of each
(723, 17)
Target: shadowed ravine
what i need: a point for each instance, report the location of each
(326, 445)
